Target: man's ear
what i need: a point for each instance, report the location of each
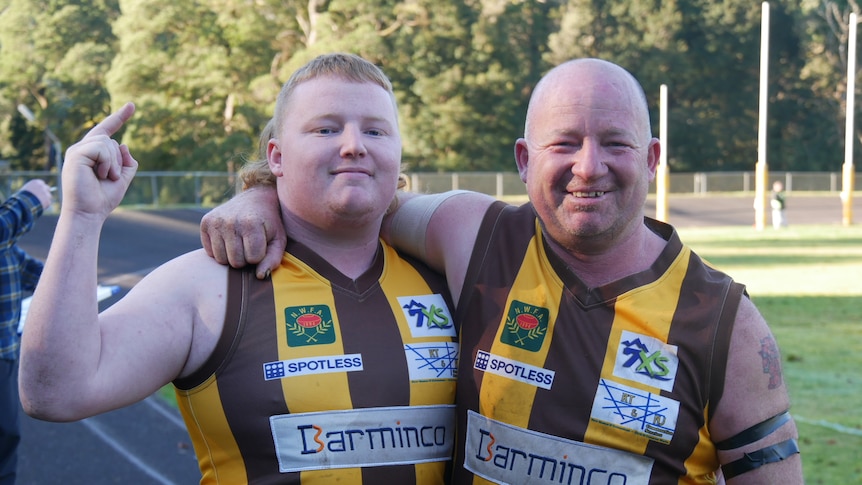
(522, 158)
(653, 154)
(274, 157)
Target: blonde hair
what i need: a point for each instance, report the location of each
(349, 67)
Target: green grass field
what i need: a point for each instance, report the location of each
(806, 282)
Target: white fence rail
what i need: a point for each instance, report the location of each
(208, 189)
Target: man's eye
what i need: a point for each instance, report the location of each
(566, 145)
(374, 132)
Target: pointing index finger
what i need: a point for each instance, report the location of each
(113, 122)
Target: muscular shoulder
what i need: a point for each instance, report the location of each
(190, 291)
(754, 384)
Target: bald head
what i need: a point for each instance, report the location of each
(589, 81)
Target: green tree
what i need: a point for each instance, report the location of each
(191, 70)
(464, 71)
(824, 78)
(53, 56)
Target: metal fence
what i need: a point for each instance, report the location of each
(208, 189)
(502, 184)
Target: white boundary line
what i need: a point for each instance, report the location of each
(96, 428)
(826, 424)
(164, 410)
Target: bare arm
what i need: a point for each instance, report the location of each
(75, 362)
(440, 230)
(755, 391)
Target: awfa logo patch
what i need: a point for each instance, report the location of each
(526, 326)
(646, 360)
(309, 325)
(427, 315)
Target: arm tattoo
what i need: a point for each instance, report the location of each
(771, 361)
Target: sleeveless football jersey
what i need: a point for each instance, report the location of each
(565, 384)
(318, 378)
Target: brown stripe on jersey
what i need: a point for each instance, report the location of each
(232, 319)
(257, 346)
(480, 309)
(721, 346)
(576, 356)
(385, 380)
(693, 329)
(486, 287)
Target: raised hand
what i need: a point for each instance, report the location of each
(98, 170)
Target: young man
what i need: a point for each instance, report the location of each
(340, 368)
(19, 272)
(597, 347)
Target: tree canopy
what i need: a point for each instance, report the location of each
(205, 74)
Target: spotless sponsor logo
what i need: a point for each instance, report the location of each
(364, 437)
(503, 453)
(312, 365)
(309, 325)
(513, 369)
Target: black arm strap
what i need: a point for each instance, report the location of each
(754, 433)
(763, 456)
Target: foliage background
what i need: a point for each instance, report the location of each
(205, 73)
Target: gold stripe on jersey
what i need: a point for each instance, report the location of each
(290, 290)
(701, 462)
(538, 286)
(223, 450)
(395, 281)
(400, 278)
(661, 298)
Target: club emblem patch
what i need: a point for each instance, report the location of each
(309, 325)
(526, 326)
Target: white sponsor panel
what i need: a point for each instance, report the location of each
(427, 315)
(323, 364)
(432, 361)
(397, 435)
(505, 454)
(513, 369)
(647, 360)
(641, 412)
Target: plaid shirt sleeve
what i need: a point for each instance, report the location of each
(18, 214)
(18, 271)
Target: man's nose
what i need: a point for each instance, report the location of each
(352, 143)
(589, 162)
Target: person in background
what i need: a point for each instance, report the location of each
(339, 368)
(595, 344)
(778, 204)
(19, 273)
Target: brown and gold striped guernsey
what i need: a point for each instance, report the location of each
(556, 378)
(315, 373)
